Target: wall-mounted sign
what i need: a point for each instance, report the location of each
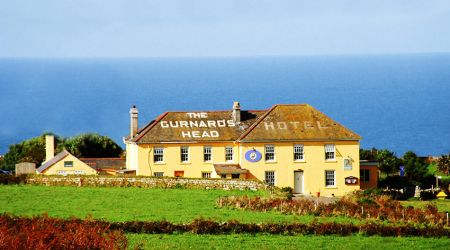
(347, 164)
(253, 155)
(351, 180)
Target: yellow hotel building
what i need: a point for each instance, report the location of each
(288, 145)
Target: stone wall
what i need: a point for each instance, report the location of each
(149, 182)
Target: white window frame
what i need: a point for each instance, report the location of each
(206, 175)
(158, 174)
(269, 151)
(158, 151)
(328, 178)
(269, 177)
(229, 154)
(80, 172)
(184, 154)
(62, 172)
(66, 165)
(299, 149)
(330, 149)
(207, 151)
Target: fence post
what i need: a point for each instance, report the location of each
(362, 211)
(447, 218)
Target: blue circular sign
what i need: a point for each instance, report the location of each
(253, 155)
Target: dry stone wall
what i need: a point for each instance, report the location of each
(149, 182)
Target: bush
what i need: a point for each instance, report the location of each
(357, 205)
(49, 233)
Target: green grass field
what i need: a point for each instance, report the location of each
(263, 241)
(442, 205)
(184, 205)
(126, 204)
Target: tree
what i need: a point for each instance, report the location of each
(368, 154)
(85, 145)
(443, 164)
(31, 150)
(415, 167)
(91, 146)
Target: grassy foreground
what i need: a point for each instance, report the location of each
(127, 204)
(442, 205)
(263, 241)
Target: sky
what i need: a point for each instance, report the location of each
(114, 28)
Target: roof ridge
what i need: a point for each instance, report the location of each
(149, 127)
(259, 120)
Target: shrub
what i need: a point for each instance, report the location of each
(48, 233)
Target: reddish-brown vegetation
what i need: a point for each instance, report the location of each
(378, 207)
(49, 233)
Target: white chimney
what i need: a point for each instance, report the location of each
(133, 121)
(236, 112)
(49, 147)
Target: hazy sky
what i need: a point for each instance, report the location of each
(113, 28)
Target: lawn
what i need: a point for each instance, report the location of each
(442, 205)
(126, 204)
(264, 241)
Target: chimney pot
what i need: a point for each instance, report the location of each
(236, 112)
(133, 121)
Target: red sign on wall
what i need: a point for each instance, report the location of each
(351, 180)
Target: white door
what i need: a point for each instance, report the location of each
(298, 182)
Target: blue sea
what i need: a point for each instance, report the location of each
(399, 102)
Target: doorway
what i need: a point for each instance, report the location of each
(298, 182)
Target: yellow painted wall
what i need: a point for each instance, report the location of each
(77, 165)
(284, 166)
(313, 166)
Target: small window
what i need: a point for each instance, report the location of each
(158, 154)
(270, 178)
(184, 154)
(80, 172)
(235, 176)
(364, 175)
(68, 164)
(206, 175)
(223, 176)
(158, 174)
(269, 151)
(298, 152)
(330, 152)
(62, 172)
(229, 153)
(330, 178)
(207, 154)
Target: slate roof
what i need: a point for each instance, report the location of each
(154, 132)
(229, 169)
(102, 163)
(283, 122)
(53, 161)
(294, 122)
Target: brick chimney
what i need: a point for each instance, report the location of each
(236, 112)
(49, 147)
(133, 121)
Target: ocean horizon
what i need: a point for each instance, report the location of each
(399, 102)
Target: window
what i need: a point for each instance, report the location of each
(298, 152)
(269, 152)
(235, 176)
(330, 178)
(207, 153)
(270, 178)
(330, 151)
(228, 153)
(62, 172)
(206, 175)
(223, 176)
(68, 164)
(158, 174)
(184, 154)
(80, 172)
(158, 155)
(364, 175)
